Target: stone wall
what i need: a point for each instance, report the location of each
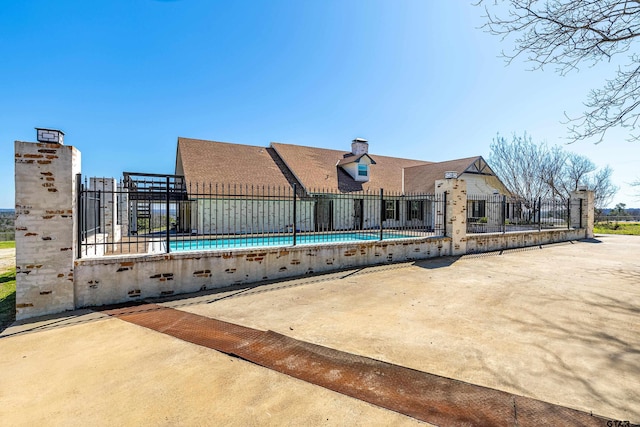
(489, 242)
(111, 280)
(51, 278)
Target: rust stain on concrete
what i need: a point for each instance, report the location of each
(431, 398)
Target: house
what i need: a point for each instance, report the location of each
(482, 183)
(335, 190)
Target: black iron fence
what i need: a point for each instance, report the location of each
(146, 213)
(501, 214)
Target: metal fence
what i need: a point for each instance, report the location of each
(146, 213)
(502, 214)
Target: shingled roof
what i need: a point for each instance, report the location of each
(316, 169)
(423, 178)
(211, 162)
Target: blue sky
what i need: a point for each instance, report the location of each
(124, 78)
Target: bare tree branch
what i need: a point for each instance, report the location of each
(533, 170)
(636, 183)
(568, 33)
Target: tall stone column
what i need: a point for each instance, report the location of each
(123, 209)
(107, 188)
(455, 212)
(582, 205)
(45, 179)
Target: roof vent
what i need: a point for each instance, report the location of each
(359, 146)
(450, 175)
(53, 136)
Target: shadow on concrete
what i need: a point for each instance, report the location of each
(208, 296)
(440, 262)
(591, 240)
(609, 350)
(51, 321)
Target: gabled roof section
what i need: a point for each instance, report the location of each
(317, 169)
(479, 166)
(211, 162)
(422, 178)
(350, 158)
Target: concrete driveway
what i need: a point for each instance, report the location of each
(560, 324)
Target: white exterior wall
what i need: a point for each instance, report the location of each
(478, 184)
(344, 212)
(270, 216)
(238, 216)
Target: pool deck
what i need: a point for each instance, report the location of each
(559, 324)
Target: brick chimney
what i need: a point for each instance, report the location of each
(359, 146)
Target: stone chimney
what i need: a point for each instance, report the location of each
(359, 146)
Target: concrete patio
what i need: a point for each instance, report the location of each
(559, 323)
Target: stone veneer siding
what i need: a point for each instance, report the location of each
(45, 178)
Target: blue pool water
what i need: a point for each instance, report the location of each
(258, 241)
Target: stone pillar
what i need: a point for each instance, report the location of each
(456, 212)
(123, 209)
(108, 207)
(46, 233)
(583, 217)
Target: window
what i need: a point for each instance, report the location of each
(391, 209)
(415, 209)
(476, 208)
(362, 170)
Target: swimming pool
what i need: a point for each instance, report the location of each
(282, 240)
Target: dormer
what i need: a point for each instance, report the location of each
(357, 163)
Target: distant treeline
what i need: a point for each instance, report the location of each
(7, 220)
(617, 212)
